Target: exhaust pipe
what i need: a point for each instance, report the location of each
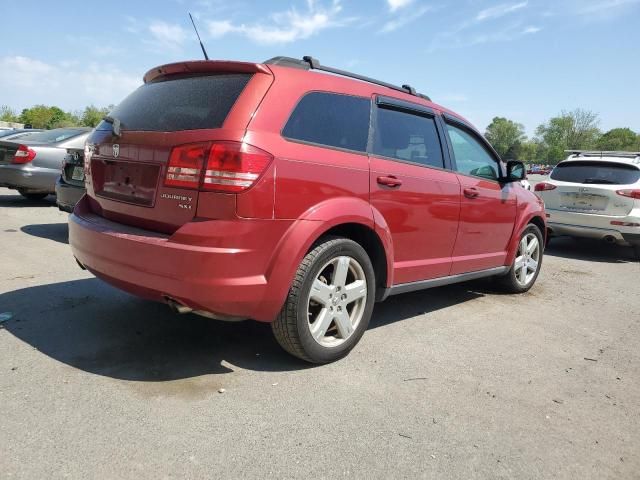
(610, 239)
(177, 307)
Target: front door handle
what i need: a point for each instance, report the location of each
(471, 192)
(389, 181)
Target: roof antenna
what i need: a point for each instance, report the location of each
(206, 57)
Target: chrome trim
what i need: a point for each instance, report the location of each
(441, 281)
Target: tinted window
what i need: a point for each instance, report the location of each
(183, 103)
(406, 136)
(330, 119)
(596, 173)
(54, 136)
(471, 157)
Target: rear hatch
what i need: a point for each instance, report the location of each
(590, 187)
(178, 106)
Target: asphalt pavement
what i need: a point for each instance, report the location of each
(458, 382)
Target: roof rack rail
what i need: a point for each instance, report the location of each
(603, 153)
(309, 62)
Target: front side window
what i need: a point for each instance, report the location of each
(471, 157)
(407, 136)
(330, 119)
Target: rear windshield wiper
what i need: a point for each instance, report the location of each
(115, 125)
(600, 180)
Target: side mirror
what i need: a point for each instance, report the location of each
(515, 171)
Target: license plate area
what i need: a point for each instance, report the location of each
(78, 174)
(129, 182)
(583, 201)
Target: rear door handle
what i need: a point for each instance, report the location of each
(470, 192)
(389, 181)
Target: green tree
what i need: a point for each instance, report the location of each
(531, 151)
(42, 116)
(619, 139)
(506, 136)
(7, 114)
(576, 130)
(93, 115)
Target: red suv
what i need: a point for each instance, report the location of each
(296, 194)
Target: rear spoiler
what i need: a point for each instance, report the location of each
(204, 66)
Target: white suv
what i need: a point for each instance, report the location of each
(595, 195)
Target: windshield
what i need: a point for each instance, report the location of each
(54, 136)
(589, 172)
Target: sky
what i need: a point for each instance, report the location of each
(526, 60)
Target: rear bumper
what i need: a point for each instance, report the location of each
(28, 177)
(67, 195)
(222, 280)
(594, 226)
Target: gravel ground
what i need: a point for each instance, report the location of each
(455, 382)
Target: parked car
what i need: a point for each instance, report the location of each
(284, 194)
(595, 195)
(70, 184)
(17, 133)
(31, 165)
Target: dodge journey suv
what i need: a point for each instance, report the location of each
(297, 194)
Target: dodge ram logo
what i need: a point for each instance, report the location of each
(116, 150)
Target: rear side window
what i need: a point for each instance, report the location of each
(330, 119)
(407, 136)
(604, 173)
(180, 103)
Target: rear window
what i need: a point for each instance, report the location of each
(54, 136)
(331, 119)
(180, 103)
(604, 173)
(409, 137)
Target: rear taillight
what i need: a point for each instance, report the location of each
(24, 154)
(234, 167)
(629, 193)
(219, 166)
(544, 186)
(185, 165)
(624, 224)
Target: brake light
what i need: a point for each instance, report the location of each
(234, 166)
(185, 165)
(624, 224)
(544, 186)
(629, 193)
(24, 154)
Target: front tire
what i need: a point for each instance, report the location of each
(526, 264)
(329, 304)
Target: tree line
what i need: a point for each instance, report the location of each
(575, 130)
(43, 116)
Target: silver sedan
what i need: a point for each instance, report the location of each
(32, 164)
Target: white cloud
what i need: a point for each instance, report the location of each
(498, 11)
(166, 34)
(287, 26)
(398, 4)
(69, 85)
(598, 7)
(531, 29)
(405, 19)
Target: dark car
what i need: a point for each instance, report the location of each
(296, 194)
(70, 185)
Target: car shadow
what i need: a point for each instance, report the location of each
(93, 327)
(58, 232)
(591, 250)
(18, 201)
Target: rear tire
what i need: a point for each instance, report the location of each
(526, 264)
(32, 196)
(329, 304)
